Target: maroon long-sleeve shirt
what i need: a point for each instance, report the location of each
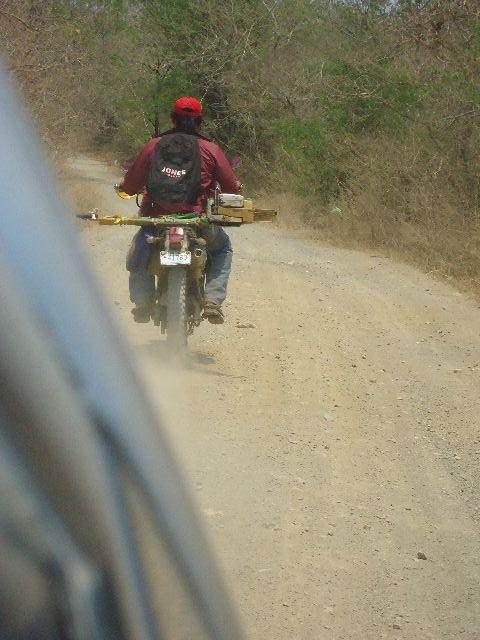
(214, 167)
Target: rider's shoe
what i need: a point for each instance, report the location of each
(213, 313)
(141, 314)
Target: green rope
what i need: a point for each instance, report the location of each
(191, 218)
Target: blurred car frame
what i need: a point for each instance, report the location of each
(99, 537)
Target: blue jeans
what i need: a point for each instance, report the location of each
(219, 248)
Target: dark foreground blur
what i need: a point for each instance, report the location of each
(98, 534)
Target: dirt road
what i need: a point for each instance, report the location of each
(331, 443)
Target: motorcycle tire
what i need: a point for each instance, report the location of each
(177, 310)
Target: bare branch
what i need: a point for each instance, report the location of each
(14, 17)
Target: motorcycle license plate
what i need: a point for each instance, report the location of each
(170, 258)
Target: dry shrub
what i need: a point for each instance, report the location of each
(400, 203)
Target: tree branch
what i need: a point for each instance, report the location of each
(11, 15)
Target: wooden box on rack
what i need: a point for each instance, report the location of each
(248, 213)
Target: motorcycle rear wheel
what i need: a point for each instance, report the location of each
(177, 310)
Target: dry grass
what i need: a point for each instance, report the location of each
(398, 205)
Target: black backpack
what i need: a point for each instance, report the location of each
(174, 175)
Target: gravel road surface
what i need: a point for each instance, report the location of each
(329, 430)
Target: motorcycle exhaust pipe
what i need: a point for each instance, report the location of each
(199, 259)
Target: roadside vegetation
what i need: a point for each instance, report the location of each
(363, 115)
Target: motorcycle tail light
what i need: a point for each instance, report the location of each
(175, 236)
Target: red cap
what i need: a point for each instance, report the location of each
(188, 107)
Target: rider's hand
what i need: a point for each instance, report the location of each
(121, 193)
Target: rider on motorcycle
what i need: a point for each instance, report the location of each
(214, 168)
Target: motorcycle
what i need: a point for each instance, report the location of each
(179, 261)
